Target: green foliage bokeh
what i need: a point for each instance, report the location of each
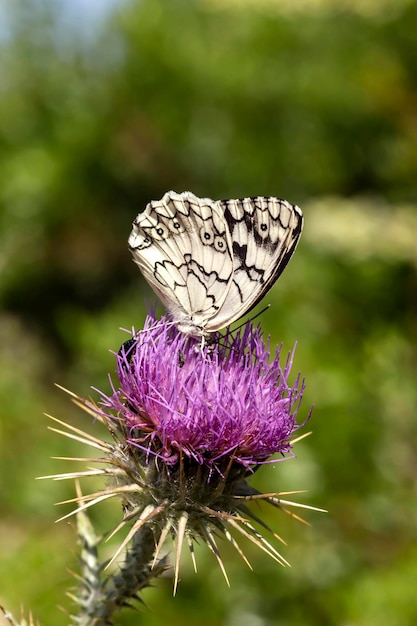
(315, 103)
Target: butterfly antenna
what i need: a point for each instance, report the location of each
(250, 319)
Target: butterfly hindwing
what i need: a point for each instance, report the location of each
(183, 247)
(211, 262)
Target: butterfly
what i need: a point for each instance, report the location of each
(210, 262)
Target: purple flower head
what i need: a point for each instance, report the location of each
(189, 424)
(209, 404)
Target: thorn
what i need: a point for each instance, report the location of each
(182, 526)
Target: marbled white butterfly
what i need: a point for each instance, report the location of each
(210, 262)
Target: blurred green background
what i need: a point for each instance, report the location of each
(105, 106)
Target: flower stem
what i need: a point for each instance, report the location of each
(100, 596)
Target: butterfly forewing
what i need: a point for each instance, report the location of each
(211, 262)
(265, 232)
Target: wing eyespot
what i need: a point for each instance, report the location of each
(160, 232)
(175, 226)
(206, 236)
(220, 244)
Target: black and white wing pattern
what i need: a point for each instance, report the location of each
(210, 262)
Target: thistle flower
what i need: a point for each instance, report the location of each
(190, 424)
(209, 405)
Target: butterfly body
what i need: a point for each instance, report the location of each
(210, 262)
